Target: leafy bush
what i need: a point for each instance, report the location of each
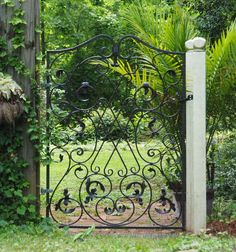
(15, 206)
(71, 22)
(108, 125)
(225, 173)
(213, 16)
(223, 210)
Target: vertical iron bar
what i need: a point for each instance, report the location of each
(48, 137)
(183, 140)
(43, 45)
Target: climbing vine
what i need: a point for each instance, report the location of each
(16, 206)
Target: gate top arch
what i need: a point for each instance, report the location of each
(113, 42)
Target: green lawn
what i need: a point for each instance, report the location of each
(39, 239)
(59, 167)
(109, 162)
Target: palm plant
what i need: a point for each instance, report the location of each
(221, 84)
(163, 26)
(168, 28)
(137, 77)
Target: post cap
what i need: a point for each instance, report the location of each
(196, 43)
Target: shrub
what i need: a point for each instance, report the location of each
(15, 206)
(225, 173)
(108, 125)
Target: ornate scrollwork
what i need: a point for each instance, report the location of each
(92, 192)
(139, 189)
(163, 212)
(109, 187)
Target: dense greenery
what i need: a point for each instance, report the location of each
(79, 21)
(213, 16)
(167, 25)
(16, 205)
(225, 172)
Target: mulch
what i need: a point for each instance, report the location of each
(215, 227)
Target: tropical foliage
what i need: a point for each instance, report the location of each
(175, 26)
(168, 27)
(165, 27)
(221, 76)
(225, 159)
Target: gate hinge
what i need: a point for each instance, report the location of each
(44, 191)
(188, 98)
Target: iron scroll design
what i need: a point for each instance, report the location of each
(145, 105)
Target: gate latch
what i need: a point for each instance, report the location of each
(188, 98)
(44, 191)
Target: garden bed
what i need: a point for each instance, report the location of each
(219, 226)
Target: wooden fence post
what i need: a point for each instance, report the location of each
(28, 55)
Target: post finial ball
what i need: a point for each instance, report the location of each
(196, 43)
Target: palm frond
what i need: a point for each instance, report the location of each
(221, 60)
(221, 82)
(161, 26)
(138, 76)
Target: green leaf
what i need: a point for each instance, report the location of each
(18, 193)
(3, 223)
(21, 210)
(8, 193)
(8, 3)
(17, 20)
(85, 234)
(31, 209)
(37, 29)
(18, 45)
(3, 54)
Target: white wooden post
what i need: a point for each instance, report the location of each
(195, 136)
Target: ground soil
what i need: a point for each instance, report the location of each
(132, 232)
(215, 227)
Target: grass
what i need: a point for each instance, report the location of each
(58, 168)
(44, 238)
(61, 162)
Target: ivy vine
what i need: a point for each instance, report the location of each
(15, 205)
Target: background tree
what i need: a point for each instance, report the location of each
(213, 16)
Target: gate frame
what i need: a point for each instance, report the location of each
(195, 74)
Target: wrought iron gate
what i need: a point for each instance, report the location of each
(116, 130)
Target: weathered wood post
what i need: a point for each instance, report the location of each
(195, 136)
(28, 55)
